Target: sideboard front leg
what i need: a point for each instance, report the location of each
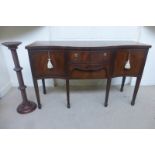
(44, 87)
(67, 89)
(107, 92)
(35, 82)
(136, 90)
(123, 82)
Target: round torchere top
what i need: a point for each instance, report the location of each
(12, 44)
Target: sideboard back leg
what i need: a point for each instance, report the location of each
(68, 97)
(44, 87)
(136, 90)
(35, 82)
(107, 92)
(123, 82)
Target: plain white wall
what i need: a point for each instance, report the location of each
(5, 83)
(93, 32)
(26, 35)
(30, 34)
(147, 35)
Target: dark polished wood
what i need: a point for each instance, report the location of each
(136, 90)
(26, 106)
(139, 77)
(67, 89)
(39, 60)
(84, 45)
(87, 60)
(136, 60)
(35, 82)
(123, 82)
(107, 92)
(44, 87)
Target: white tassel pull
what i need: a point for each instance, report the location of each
(127, 65)
(49, 64)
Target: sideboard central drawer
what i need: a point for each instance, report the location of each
(89, 57)
(88, 71)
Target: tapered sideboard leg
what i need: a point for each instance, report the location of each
(68, 97)
(107, 92)
(44, 87)
(35, 82)
(136, 90)
(123, 82)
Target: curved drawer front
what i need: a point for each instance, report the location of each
(39, 62)
(129, 62)
(90, 57)
(88, 71)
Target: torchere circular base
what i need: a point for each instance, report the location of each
(27, 107)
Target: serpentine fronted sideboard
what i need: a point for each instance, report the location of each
(87, 60)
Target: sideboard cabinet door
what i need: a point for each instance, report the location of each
(39, 62)
(129, 62)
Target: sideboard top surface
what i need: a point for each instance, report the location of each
(85, 44)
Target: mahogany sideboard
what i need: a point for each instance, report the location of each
(87, 60)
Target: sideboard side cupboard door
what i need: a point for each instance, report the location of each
(87, 60)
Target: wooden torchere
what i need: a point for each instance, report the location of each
(26, 106)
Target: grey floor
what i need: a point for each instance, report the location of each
(87, 110)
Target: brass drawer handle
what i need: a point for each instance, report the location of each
(105, 54)
(76, 55)
(89, 68)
